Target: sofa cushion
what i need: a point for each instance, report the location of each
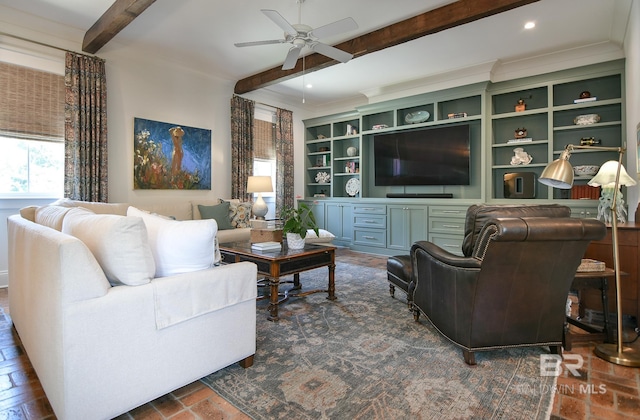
(219, 212)
(324, 237)
(239, 214)
(179, 246)
(51, 216)
(119, 244)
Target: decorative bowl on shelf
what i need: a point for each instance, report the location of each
(417, 117)
(379, 126)
(585, 170)
(352, 151)
(586, 119)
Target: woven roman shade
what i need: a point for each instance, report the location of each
(263, 140)
(31, 103)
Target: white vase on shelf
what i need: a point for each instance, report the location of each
(295, 241)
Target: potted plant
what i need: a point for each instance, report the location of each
(296, 223)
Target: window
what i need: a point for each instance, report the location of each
(31, 131)
(31, 166)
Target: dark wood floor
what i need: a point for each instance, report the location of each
(22, 397)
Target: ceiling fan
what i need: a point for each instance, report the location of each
(300, 35)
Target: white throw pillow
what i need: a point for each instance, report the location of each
(324, 237)
(119, 244)
(179, 246)
(51, 216)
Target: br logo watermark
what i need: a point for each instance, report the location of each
(554, 365)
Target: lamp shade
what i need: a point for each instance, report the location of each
(606, 176)
(559, 173)
(259, 184)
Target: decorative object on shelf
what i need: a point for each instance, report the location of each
(521, 133)
(322, 178)
(589, 141)
(320, 137)
(590, 265)
(353, 187)
(351, 168)
(352, 151)
(585, 170)
(351, 130)
(454, 115)
(520, 106)
(296, 223)
(520, 157)
(259, 184)
(585, 94)
(586, 119)
(323, 149)
(379, 126)
(559, 174)
(417, 117)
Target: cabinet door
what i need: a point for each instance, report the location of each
(317, 208)
(407, 224)
(339, 221)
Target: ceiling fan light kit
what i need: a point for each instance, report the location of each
(300, 35)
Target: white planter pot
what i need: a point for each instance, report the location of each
(294, 241)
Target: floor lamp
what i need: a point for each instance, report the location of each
(559, 174)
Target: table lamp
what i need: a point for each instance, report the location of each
(559, 174)
(259, 184)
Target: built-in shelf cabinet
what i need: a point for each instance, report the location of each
(341, 146)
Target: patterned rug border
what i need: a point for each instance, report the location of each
(363, 356)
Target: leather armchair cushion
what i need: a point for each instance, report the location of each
(479, 214)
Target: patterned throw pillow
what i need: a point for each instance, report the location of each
(240, 215)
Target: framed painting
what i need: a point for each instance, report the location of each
(170, 156)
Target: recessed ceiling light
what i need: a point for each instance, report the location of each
(309, 86)
(529, 25)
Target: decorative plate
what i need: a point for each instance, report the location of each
(417, 117)
(322, 177)
(353, 187)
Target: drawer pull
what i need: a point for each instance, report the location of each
(369, 237)
(368, 209)
(369, 221)
(451, 226)
(450, 246)
(451, 211)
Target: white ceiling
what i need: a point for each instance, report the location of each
(202, 33)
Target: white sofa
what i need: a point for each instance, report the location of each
(100, 350)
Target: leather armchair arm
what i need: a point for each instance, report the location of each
(445, 256)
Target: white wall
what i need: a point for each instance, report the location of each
(632, 52)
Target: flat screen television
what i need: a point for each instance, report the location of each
(425, 156)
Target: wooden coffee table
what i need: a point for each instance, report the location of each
(276, 264)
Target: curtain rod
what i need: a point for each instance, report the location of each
(257, 102)
(44, 44)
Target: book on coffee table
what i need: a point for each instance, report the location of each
(266, 246)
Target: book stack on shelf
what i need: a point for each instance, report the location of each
(585, 192)
(266, 246)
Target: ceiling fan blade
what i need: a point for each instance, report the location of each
(292, 58)
(280, 21)
(331, 52)
(251, 44)
(335, 28)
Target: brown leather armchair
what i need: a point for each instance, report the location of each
(511, 291)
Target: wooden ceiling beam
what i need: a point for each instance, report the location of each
(445, 17)
(116, 18)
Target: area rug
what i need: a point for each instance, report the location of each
(363, 356)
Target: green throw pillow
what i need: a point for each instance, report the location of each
(220, 212)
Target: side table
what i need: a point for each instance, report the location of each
(590, 280)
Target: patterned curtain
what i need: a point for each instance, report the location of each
(284, 158)
(242, 111)
(85, 128)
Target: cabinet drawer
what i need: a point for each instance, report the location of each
(370, 221)
(370, 209)
(451, 243)
(448, 211)
(446, 225)
(370, 237)
(584, 212)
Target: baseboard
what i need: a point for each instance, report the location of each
(4, 278)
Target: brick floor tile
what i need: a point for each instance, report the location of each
(197, 396)
(628, 405)
(168, 405)
(573, 408)
(209, 410)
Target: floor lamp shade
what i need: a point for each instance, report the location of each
(259, 184)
